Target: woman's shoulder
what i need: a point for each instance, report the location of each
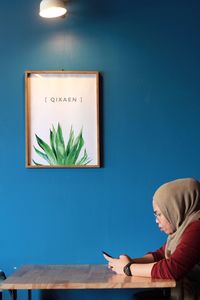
(193, 226)
(191, 236)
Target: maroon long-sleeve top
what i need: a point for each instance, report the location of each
(183, 259)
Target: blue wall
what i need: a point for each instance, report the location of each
(148, 54)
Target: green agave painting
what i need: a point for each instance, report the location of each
(57, 153)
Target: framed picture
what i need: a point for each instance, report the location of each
(62, 119)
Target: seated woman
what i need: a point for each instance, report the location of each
(176, 206)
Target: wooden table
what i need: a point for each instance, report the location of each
(42, 277)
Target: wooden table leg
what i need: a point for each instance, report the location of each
(29, 295)
(13, 294)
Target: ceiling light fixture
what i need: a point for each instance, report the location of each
(52, 8)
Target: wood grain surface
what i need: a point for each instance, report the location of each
(77, 277)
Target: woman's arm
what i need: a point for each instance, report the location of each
(146, 259)
(184, 258)
(141, 268)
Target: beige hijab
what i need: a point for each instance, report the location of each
(179, 202)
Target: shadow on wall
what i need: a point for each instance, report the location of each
(118, 294)
(95, 9)
(87, 295)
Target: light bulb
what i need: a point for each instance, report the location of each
(52, 8)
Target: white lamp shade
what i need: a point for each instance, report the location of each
(52, 8)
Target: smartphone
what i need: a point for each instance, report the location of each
(107, 254)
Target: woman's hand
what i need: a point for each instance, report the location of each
(117, 264)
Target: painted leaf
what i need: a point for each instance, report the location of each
(41, 154)
(60, 154)
(47, 150)
(60, 146)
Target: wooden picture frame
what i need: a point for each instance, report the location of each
(62, 119)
